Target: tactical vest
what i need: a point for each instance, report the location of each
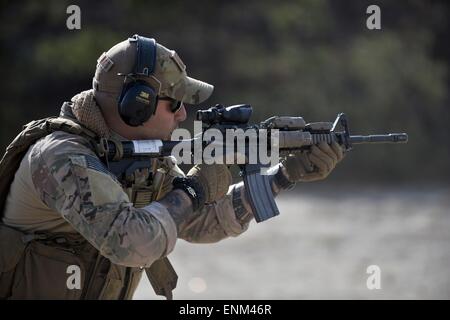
(39, 266)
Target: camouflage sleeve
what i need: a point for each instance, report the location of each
(71, 180)
(211, 224)
(215, 221)
(228, 217)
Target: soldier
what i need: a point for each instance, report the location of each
(65, 211)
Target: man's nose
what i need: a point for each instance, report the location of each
(180, 115)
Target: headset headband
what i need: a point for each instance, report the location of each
(146, 55)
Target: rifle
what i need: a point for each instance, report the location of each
(124, 157)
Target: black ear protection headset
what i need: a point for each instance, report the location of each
(138, 100)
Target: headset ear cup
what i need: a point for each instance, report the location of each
(137, 103)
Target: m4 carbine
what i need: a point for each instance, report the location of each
(124, 157)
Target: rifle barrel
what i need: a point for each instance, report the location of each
(380, 138)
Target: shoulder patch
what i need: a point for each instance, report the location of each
(105, 62)
(95, 164)
(89, 162)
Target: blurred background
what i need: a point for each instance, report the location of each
(386, 205)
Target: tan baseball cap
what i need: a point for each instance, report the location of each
(169, 77)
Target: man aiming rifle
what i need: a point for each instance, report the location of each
(64, 205)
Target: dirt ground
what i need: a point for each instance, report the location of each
(320, 247)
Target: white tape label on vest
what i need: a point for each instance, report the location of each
(147, 146)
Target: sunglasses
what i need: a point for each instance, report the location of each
(175, 105)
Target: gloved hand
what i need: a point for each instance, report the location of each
(314, 164)
(214, 178)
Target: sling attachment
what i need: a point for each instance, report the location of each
(102, 150)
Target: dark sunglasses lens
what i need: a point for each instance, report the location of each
(175, 106)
